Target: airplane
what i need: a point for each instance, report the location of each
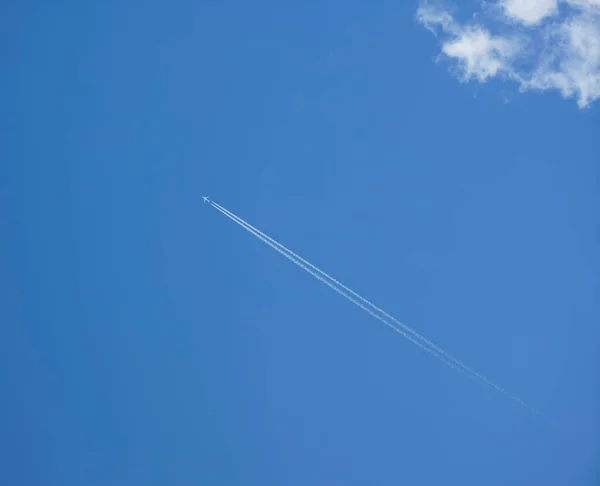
(205, 199)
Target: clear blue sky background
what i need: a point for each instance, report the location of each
(147, 340)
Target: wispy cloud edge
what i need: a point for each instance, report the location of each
(539, 44)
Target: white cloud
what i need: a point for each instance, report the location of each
(562, 53)
(432, 17)
(574, 69)
(481, 55)
(584, 3)
(529, 12)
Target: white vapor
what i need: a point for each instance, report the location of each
(539, 44)
(348, 290)
(327, 282)
(529, 12)
(365, 305)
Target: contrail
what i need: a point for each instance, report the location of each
(350, 291)
(439, 351)
(367, 306)
(341, 292)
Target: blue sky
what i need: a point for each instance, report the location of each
(146, 339)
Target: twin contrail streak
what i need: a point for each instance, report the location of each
(403, 326)
(329, 284)
(366, 305)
